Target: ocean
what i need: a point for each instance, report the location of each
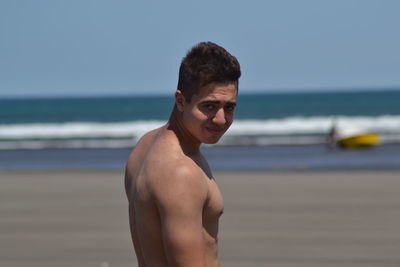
(270, 129)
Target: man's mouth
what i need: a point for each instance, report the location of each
(215, 130)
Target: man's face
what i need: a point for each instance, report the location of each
(210, 113)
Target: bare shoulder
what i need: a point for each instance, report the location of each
(176, 172)
(137, 157)
(171, 175)
(163, 167)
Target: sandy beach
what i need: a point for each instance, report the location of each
(277, 219)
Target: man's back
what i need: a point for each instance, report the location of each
(174, 203)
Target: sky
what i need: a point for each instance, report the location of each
(114, 47)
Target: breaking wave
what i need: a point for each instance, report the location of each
(291, 130)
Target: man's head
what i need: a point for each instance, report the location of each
(206, 63)
(207, 91)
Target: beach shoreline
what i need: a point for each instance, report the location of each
(221, 158)
(285, 219)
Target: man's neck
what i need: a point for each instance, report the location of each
(189, 144)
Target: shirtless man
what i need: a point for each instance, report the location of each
(174, 202)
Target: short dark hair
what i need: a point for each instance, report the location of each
(206, 63)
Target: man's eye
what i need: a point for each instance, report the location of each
(230, 108)
(209, 106)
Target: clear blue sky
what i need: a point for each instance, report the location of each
(82, 47)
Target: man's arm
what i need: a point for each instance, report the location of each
(180, 196)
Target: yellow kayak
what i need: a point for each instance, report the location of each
(359, 141)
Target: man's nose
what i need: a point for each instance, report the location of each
(219, 117)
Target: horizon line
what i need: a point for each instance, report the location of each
(245, 91)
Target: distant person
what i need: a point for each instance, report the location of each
(174, 201)
(332, 138)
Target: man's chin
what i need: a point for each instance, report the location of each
(211, 141)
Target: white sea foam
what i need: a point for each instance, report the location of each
(77, 130)
(316, 125)
(292, 130)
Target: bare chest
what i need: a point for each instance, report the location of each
(214, 205)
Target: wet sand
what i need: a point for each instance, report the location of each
(279, 219)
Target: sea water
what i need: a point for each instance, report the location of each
(285, 124)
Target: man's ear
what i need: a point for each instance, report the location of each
(179, 100)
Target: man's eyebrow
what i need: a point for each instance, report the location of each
(218, 102)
